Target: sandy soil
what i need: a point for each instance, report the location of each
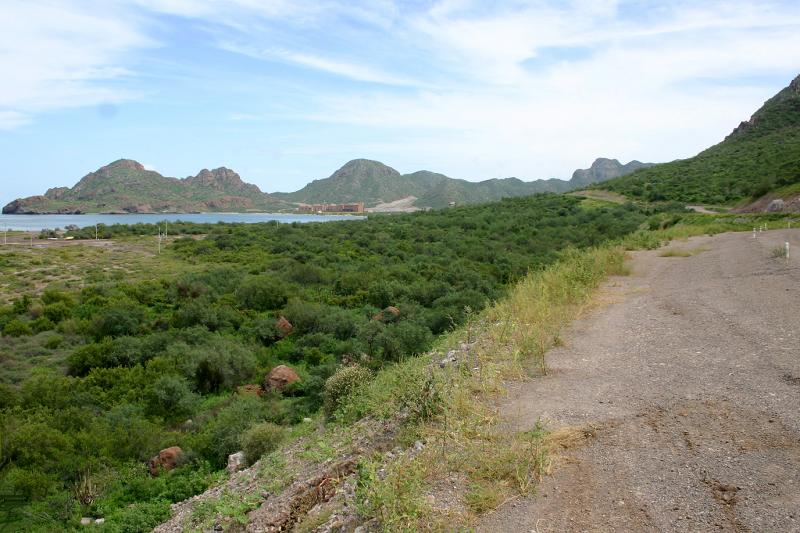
(690, 378)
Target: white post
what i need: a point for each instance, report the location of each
(787, 250)
(754, 232)
(159, 241)
(95, 232)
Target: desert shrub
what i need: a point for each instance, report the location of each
(216, 365)
(171, 397)
(260, 440)
(222, 435)
(17, 328)
(8, 396)
(41, 324)
(342, 384)
(261, 293)
(52, 295)
(53, 342)
(138, 517)
(118, 320)
(57, 311)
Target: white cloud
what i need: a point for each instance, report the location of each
(59, 54)
(353, 71)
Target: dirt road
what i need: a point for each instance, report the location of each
(691, 381)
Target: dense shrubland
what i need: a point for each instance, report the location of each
(157, 363)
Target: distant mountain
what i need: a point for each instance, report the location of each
(603, 170)
(760, 156)
(125, 186)
(374, 183)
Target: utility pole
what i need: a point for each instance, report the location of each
(159, 241)
(166, 228)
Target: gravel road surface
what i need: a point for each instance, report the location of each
(689, 379)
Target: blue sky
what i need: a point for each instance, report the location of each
(286, 91)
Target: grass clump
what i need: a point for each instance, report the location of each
(778, 252)
(682, 252)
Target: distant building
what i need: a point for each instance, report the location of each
(357, 207)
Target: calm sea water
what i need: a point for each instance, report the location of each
(39, 222)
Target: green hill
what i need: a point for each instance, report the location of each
(125, 186)
(372, 182)
(759, 156)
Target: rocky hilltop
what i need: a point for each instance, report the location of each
(604, 169)
(374, 183)
(125, 186)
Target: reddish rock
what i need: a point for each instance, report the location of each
(280, 377)
(251, 389)
(167, 459)
(387, 314)
(284, 326)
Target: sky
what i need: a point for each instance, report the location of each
(286, 91)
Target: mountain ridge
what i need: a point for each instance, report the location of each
(126, 186)
(375, 183)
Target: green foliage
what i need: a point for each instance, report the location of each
(221, 435)
(17, 328)
(260, 440)
(759, 157)
(342, 384)
(118, 320)
(153, 363)
(261, 293)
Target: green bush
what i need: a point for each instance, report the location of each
(171, 398)
(53, 342)
(222, 435)
(57, 311)
(261, 293)
(42, 324)
(118, 320)
(17, 328)
(137, 517)
(260, 440)
(342, 384)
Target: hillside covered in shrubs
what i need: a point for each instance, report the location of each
(185, 358)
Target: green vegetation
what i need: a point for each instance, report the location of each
(762, 155)
(101, 371)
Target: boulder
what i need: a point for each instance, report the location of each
(167, 459)
(284, 326)
(389, 313)
(280, 377)
(776, 205)
(236, 462)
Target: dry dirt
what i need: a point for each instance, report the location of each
(691, 380)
